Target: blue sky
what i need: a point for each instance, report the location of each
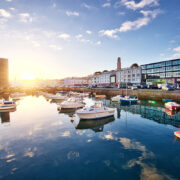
(63, 38)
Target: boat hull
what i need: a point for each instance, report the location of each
(171, 107)
(97, 115)
(177, 134)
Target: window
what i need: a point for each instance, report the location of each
(168, 68)
(168, 63)
(176, 74)
(176, 68)
(143, 71)
(143, 67)
(162, 75)
(150, 66)
(177, 62)
(168, 74)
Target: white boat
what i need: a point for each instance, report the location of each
(58, 97)
(17, 95)
(173, 106)
(95, 112)
(71, 103)
(116, 98)
(7, 105)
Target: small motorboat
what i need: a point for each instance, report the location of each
(128, 100)
(173, 106)
(167, 100)
(177, 134)
(100, 96)
(116, 98)
(71, 103)
(96, 111)
(7, 105)
(58, 97)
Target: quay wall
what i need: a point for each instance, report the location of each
(148, 94)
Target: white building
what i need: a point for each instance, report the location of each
(101, 78)
(129, 75)
(77, 81)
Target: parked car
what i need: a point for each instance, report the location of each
(133, 87)
(152, 86)
(143, 86)
(168, 88)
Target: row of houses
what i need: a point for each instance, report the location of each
(164, 72)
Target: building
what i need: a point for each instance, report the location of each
(164, 72)
(119, 64)
(77, 81)
(101, 78)
(129, 75)
(4, 75)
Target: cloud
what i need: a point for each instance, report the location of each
(78, 36)
(64, 36)
(54, 5)
(109, 33)
(25, 17)
(53, 46)
(132, 25)
(153, 13)
(131, 4)
(12, 9)
(106, 4)
(86, 6)
(89, 32)
(8, 0)
(177, 54)
(177, 49)
(72, 13)
(4, 13)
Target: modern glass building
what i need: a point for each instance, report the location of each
(164, 72)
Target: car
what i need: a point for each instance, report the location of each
(152, 86)
(133, 87)
(168, 87)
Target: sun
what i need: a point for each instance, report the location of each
(28, 76)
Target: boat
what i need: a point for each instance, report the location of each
(177, 134)
(151, 102)
(100, 96)
(173, 106)
(71, 103)
(116, 98)
(58, 97)
(170, 113)
(128, 101)
(96, 126)
(7, 105)
(17, 95)
(96, 111)
(167, 100)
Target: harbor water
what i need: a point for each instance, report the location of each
(39, 142)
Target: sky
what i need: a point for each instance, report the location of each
(55, 39)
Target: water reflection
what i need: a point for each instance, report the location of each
(95, 125)
(5, 117)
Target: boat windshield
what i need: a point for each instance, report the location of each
(71, 100)
(98, 105)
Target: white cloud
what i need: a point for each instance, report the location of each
(12, 9)
(106, 4)
(153, 13)
(72, 13)
(86, 6)
(98, 43)
(131, 4)
(25, 17)
(54, 5)
(121, 13)
(4, 13)
(132, 25)
(89, 32)
(55, 47)
(177, 49)
(79, 36)
(64, 36)
(8, 0)
(110, 33)
(35, 43)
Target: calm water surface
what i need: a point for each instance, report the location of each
(38, 142)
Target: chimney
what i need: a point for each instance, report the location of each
(119, 63)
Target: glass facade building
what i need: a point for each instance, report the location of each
(164, 72)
